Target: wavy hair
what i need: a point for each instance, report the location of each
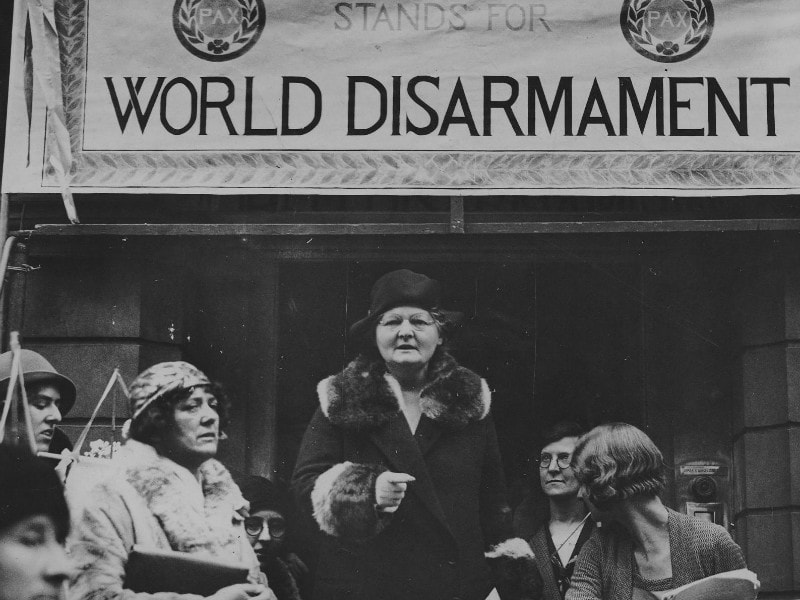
(617, 461)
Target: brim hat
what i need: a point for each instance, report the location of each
(400, 288)
(37, 369)
(161, 379)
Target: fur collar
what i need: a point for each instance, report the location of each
(204, 517)
(364, 396)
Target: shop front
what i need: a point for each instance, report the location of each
(234, 222)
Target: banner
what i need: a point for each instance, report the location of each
(394, 96)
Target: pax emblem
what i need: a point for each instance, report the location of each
(667, 30)
(218, 30)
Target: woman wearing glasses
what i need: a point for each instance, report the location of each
(642, 546)
(268, 529)
(558, 541)
(170, 495)
(400, 465)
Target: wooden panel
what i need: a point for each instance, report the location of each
(770, 550)
(90, 364)
(767, 475)
(68, 297)
(767, 373)
(231, 335)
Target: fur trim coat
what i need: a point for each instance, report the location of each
(155, 503)
(433, 546)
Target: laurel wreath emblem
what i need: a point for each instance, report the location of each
(698, 29)
(187, 22)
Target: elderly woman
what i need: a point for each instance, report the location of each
(170, 495)
(642, 545)
(400, 463)
(34, 521)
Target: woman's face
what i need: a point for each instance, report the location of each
(558, 482)
(407, 336)
(45, 401)
(268, 542)
(194, 436)
(33, 564)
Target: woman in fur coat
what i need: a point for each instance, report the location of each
(171, 494)
(400, 464)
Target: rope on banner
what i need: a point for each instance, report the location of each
(47, 72)
(74, 455)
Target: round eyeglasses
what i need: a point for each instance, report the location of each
(562, 460)
(418, 322)
(255, 525)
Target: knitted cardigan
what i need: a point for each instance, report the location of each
(606, 564)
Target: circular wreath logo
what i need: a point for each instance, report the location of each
(667, 30)
(218, 30)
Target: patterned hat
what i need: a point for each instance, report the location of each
(161, 379)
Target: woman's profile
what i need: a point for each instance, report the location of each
(643, 546)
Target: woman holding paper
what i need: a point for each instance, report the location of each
(642, 546)
(400, 464)
(171, 494)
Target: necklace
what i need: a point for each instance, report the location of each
(573, 532)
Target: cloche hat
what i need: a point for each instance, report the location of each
(160, 379)
(37, 369)
(400, 288)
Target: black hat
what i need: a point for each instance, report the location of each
(400, 288)
(37, 369)
(263, 494)
(30, 487)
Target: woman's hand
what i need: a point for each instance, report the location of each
(390, 489)
(244, 591)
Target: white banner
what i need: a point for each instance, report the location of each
(445, 96)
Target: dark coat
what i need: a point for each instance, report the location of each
(432, 547)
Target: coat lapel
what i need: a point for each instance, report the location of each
(542, 552)
(427, 434)
(403, 454)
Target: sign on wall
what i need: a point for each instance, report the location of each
(399, 96)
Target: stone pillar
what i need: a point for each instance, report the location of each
(766, 511)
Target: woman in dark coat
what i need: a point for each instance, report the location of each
(400, 464)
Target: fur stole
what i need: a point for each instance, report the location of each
(364, 396)
(213, 528)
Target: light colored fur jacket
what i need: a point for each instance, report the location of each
(156, 503)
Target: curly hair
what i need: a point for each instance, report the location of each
(617, 461)
(157, 419)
